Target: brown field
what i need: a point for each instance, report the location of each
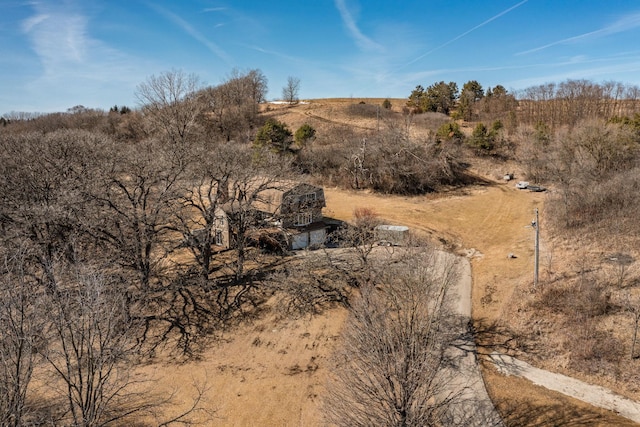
(272, 372)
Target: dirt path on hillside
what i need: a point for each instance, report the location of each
(333, 116)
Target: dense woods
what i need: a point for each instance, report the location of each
(97, 207)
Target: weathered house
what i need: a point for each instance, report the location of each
(296, 208)
(287, 208)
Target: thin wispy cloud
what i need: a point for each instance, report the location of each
(360, 39)
(273, 53)
(72, 63)
(576, 64)
(626, 23)
(60, 37)
(57, 35)
(60, 53)
(458, 37)
(29, 23)
(424, 74)
(189, 29)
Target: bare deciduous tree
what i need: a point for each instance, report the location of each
(211, 288)
(632, 304)
(391, 161)
(170, 102)
(389, 370)
(247, 188)
(621, 263)
(571, 101)
(21, 326)
(291, 91)
(250, 84)
(91, 341)
(309, 285)
(231, 108)
(43, 192)
(198, 208)
(358, 238)
(135, 197)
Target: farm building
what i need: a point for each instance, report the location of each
(296, 208)
(285, 208)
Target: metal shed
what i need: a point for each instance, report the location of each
(396, 235)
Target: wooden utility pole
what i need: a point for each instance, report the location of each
(536, 226)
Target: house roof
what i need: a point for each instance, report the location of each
(270, 200)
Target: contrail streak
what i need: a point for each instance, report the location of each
(458, 37)
(627, 23)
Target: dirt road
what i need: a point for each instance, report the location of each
(485, 222)
(485, 227)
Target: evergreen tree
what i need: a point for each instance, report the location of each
(274, 135)
(304, 134)
(472, 92)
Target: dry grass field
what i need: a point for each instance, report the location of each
(269, 373)
(272, 372)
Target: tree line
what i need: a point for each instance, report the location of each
(579, 135)
(555, 104)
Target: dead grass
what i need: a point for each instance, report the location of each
(487, 223)
(269, 373)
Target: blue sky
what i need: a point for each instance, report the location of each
(56, 54)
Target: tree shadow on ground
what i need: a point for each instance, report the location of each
(482, 338)
(517, 413)
(187, 314)
(467, 177)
